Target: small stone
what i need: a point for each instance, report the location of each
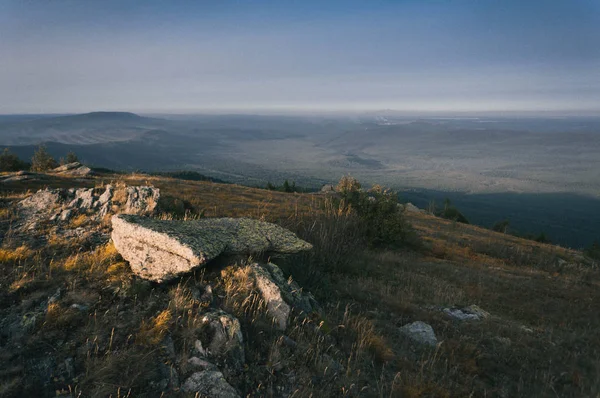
(55, 297)
(200, 349)
(470, 313)
(201, 363)
(420, 332)
(79, 307)
(66, 214)
(221, 334)
(289, 342)
(207, 295)
(209, 383)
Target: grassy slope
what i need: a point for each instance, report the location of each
(541, 340)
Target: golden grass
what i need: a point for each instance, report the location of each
(79, 221)
(153, 332)
(15, 255)
(98, 260)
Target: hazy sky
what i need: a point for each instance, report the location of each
(188, 56)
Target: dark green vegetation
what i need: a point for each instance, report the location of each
(11, 162)
(42, 160)
(540, 340)
(566, 219)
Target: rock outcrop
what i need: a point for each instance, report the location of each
(61, 204)
(163, 249)
(73, 169)
(281, 294)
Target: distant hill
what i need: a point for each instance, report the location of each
(83, 129)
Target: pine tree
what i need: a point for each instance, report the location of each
(42, 160)
(10, 162)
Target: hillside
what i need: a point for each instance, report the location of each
(540, 173)
(510, 317)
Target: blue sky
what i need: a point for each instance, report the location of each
(262, 56)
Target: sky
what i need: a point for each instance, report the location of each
(59, 56)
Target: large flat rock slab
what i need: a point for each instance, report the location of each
(163, 249)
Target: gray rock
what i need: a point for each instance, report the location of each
(42, 200)
(201, 364)
(328, 188)
(141, 200)
(163, 249)
(106, 196)
(271, 293)
(221, 334)
(67, 167)
(73, 169)
(65, 215)
(280, 294)
(80, 307)
(84, 199)
(420, 332)
(470, 313)
(410, 208)
(209, 383)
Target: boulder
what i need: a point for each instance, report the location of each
(280, 294)
(67, 167)
(209, 383)
(271, 293)
(420, 332)
(73, 169)
(221, 338)
(163, 249)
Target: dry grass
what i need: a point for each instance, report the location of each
(153, 332)
(540, 341)
(15, 255)
(78, 221)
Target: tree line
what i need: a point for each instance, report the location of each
(40, 161)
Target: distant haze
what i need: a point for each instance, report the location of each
(221, 56)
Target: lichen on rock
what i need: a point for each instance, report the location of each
(163, 249)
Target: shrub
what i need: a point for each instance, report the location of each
(70, 158)
(452, 213)
(594, 251)
(11, 162)
(379, 213)
(42, 161)
(501, 226)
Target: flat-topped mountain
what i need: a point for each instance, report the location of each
(82, 129)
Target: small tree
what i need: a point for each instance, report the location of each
(42, 160)
(71, 158)
(542, 238)
(10, 162)
(381, 218)
(286, 186)
(594, 250)
(501, 226)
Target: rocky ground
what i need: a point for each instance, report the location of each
(125, 289)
